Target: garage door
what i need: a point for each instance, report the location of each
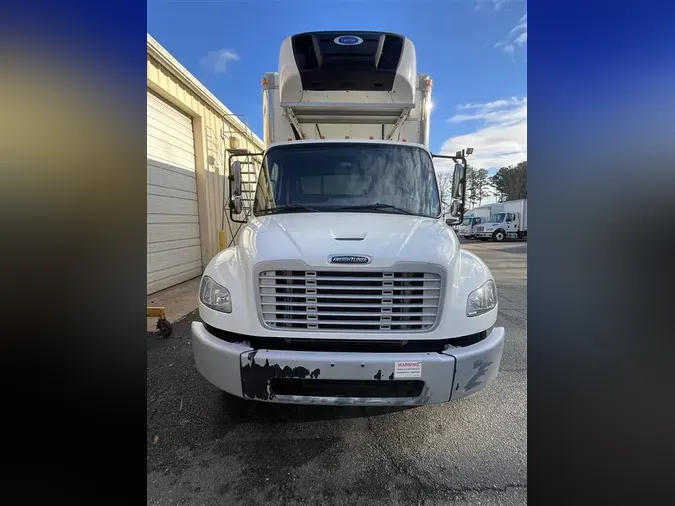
(174, 249)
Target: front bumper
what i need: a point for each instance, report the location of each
(245, 372)
(484, 234)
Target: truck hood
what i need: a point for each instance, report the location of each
(313, 237)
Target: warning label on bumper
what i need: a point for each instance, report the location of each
(408, 370)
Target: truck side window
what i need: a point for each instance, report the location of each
(510, 217)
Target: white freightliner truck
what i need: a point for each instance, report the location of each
(346, 286)
(508, 221)
(472, 219)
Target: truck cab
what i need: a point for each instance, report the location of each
(508, 221)
(345, 286)
(468, 226)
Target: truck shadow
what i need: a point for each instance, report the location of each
(238, 410)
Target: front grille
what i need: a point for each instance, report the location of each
(479, 229)
(354, 301)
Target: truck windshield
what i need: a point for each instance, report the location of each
(466, 222)
(497, 218)
(340, 177)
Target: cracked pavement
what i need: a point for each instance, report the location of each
(204, 447)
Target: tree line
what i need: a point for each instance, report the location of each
(508, 183)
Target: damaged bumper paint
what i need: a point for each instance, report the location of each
(242, 371)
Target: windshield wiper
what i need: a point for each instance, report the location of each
(287, 209)
(377, 207)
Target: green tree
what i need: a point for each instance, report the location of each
(477, 186)
(482, 185)
(471, 195)
(510, 183)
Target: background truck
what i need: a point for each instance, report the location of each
(345, 286)
(472, 219)
(466, 225)
(508, 221)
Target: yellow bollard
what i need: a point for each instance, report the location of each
(157, 312)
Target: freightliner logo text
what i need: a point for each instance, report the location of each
(349, 259)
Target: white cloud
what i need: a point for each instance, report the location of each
(502, 138)
(517, 37)
(501, 112)
(496, 3)
(218, 61)
(492, 105)
(522, 25)
(507, 47)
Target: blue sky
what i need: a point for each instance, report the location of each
(475, 51)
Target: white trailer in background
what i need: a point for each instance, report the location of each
(508, 221)
(497, 207)
(346, 287)
(483, 212)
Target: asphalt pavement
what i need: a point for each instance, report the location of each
(204, 447)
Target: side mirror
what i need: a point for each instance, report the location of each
(236, 204)
(455, 208)
(236, 179)
(457, 182)
(235, 184)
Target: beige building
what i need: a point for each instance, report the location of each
(188, 132)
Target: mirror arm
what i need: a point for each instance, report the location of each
(455, 158)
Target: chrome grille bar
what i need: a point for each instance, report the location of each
(349, 300)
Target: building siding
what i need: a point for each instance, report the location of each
(211, 119)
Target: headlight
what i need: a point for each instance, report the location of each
(214, 296)
(482, 300)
